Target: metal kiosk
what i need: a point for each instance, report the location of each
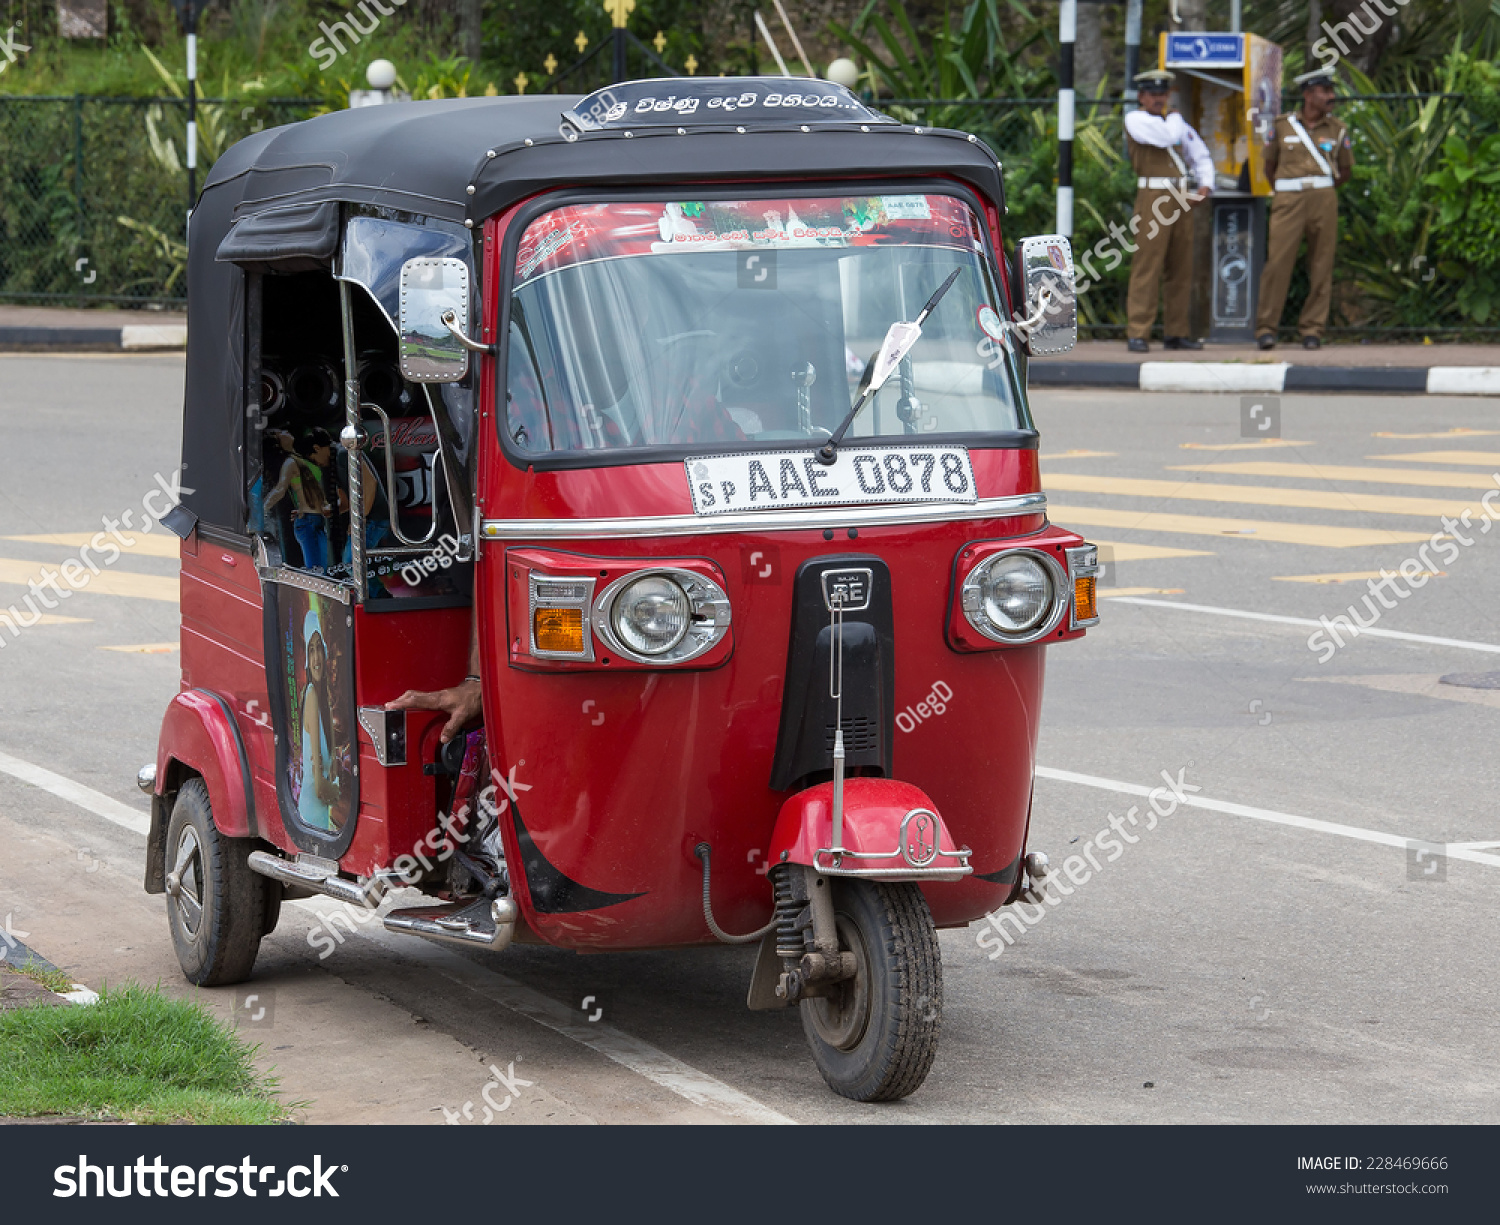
(1229, 88)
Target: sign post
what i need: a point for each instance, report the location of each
(188, 11)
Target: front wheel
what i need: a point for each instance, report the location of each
(216, 906)
(874, 1037)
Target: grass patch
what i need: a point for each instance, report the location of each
(134, 1055)
(49, 976)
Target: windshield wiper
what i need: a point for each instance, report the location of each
(897, 344)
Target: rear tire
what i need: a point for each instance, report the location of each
(874, 1039)
(218, 909)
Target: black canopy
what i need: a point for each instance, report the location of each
(271, 202)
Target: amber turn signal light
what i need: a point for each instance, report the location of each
(559, 629)
(1084, 606)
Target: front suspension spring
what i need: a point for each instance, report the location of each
(789, 942)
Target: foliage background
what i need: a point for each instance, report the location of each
(103, 180)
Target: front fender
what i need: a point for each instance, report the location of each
(892, 831)
(199, 736)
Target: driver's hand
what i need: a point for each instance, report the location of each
(462, 704)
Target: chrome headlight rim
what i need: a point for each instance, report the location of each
(708, 615)
(971, 598)
(669, 591)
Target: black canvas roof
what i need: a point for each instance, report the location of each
(271, 203)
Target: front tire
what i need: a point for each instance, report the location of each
(875, 1037)
(216, 906)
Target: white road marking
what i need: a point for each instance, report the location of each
(86, 798)
(1458, 850)
(640, 1057)
(1280, 620)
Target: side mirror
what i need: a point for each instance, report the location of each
(431, 348)
(1047, 285)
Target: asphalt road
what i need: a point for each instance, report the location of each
(1290, 949)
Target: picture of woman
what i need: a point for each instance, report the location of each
(320, 765)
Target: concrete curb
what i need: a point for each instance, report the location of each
(130, 338)
(1270, 377)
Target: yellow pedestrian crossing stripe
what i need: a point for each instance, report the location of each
(1075, 453)
(1484, 459)
(1248, 529)
(1338, 472)
(159, 544)
(19, 573)
(1263, 495)
(148, 648)
(1261, 444)
(1145, 552)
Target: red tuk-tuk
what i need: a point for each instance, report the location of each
(689, 421)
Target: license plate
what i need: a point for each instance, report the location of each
(784, 480)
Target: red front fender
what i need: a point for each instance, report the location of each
(879, 841)
(199, 736)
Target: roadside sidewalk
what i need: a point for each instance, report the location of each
(1410, 369)
(61, 329)
(1400, 369)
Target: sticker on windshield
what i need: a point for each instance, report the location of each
(906, 208)
(990, 322)
(786, 480)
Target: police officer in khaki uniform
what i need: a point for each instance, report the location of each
(1162, 149)
(1309, 158)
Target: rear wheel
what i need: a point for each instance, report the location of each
(216, 906)
(875, 1036)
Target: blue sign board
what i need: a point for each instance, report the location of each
(1205, 50)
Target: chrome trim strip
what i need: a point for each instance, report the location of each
(765, 521)
(305, 581)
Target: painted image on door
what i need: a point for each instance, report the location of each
(319, 761)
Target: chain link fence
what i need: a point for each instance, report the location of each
(93, 198)
(94, 195)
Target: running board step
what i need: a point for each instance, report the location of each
(310, 872)
(483, 923)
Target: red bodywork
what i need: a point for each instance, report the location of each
(615, 773)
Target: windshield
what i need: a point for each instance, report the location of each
(712, 323)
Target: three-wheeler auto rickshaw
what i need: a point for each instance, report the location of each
(697, 410)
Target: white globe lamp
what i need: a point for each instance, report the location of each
(381, 74)
(843, 71)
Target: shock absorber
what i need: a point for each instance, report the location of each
(789, 943)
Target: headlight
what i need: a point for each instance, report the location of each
(1015, 592)
(1015, 596)
(651, 615)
